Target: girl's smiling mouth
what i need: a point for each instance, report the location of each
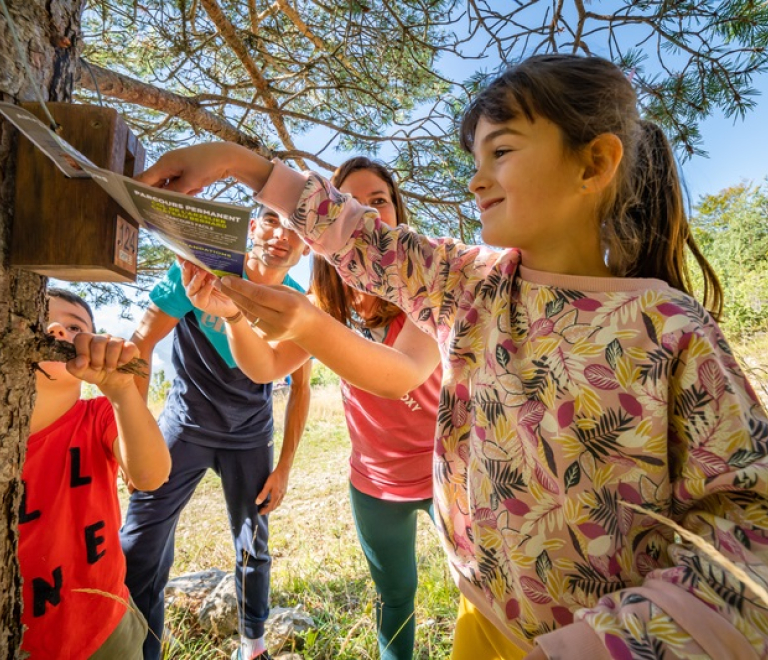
(484, 206)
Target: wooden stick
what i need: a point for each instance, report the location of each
(49, 349)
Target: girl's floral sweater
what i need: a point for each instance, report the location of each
(563, 399)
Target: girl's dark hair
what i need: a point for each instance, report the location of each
(68, 296)
(644, 227)
(331, 294)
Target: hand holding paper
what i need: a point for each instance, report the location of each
(192, 169)
(283, 313)
(213, 235)
(199, 286)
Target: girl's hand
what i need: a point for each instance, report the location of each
(191, 169)
(98, 357)
(279, 312)
(199, 286)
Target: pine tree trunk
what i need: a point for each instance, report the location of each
(50, 36)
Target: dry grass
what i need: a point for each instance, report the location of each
(317, 561)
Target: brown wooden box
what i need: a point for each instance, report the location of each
(70, 228)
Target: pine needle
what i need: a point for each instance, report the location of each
(707, 548)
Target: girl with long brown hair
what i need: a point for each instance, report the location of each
(585, 390)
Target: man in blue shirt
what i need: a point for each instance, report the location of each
(215, 417)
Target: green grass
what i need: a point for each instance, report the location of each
(317, 560)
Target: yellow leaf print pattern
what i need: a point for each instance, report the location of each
(659, 371)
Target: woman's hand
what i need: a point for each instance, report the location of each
(199, 286)
(278, 312)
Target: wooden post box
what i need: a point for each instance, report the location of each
(70, 228)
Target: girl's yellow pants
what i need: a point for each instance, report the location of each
(476, 638)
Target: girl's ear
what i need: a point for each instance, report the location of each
(601, 160)
(306, 251)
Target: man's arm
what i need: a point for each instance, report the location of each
(154, 326)
(296, 412)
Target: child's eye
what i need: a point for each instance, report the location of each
(379, 201)
(74, 328)
(498, 153)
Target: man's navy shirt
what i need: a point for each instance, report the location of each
(211, 402)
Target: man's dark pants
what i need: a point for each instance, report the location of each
(148, 534)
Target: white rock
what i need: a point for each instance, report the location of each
(285, 624)
(195, 585)
(218, 612)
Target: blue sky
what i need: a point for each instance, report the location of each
(737, 150)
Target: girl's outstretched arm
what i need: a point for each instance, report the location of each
(191, 169)
(426, 278)
(429, 279)
(285, 314)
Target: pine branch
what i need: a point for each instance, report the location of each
(49, 349)
(119, 86)
(230, 36)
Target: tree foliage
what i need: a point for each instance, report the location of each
(686, 59)
(158, 389)
(731, 229)
(313, 82)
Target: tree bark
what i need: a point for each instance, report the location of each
(49, 33)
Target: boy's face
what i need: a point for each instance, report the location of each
(275, 245)
(65, 320)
